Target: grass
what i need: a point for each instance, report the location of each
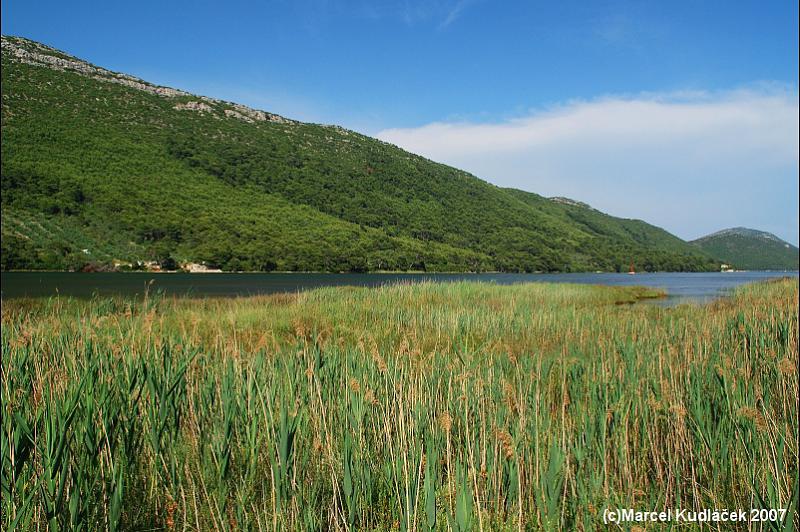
(413, 407)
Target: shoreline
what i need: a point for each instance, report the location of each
(681, 286)
(390, 272)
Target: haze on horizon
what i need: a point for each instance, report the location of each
(679, 114)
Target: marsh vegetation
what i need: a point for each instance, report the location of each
(459, 406)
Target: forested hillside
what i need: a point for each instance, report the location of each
(100, 167)
(749, 249)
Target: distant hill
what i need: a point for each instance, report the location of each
(749, 249)
(100, 167)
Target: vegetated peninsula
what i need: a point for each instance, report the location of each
(101, 169)
(749, 249)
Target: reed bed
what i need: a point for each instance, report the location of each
(409, 407)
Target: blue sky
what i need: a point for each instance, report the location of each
(680, 113)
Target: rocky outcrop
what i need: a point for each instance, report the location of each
(242, 112)
(572, 202)
(33, 53)
(236, 114)
(24, 51)
(194, 106)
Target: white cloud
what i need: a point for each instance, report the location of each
(691, 162)
(411, 12)
(454, 12)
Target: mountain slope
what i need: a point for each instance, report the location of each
(749, 249)
(140, 171)
(648, 247)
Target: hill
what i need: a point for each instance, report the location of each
(101, 167)
(749, 249)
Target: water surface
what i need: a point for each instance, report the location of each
(680, 287)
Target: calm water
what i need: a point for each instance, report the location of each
(681, 287)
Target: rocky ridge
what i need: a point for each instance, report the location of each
(22, 50)
(572, 202)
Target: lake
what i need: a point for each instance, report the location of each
(681, 287)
